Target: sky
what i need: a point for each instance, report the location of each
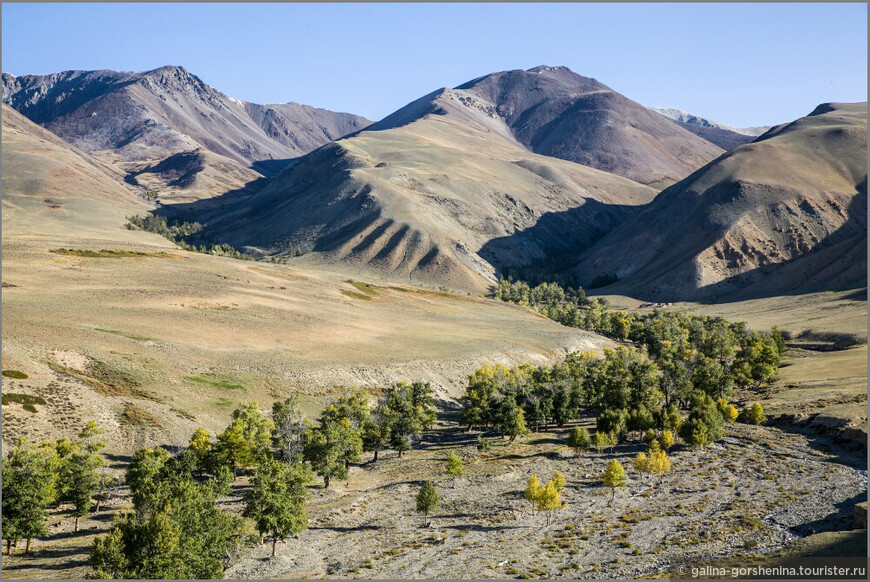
(739, 64)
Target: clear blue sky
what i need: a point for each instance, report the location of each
(741, 64)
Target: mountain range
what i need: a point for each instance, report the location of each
(512, 169)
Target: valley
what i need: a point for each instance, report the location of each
(369, 254)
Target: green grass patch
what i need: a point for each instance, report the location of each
(109, 253)
(200, 379)
(364, 287)
(14, 374)
(224, 402)
(107, 381)
(131, 336)
(355, 295)
(137, 417)
(26, 400)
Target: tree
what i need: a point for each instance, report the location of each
(144, 474)
(613, 421)
(601, 440)
(614, 476)
(753, 414)
(705, 423)
(579, 439)
(245, 442)
(200, 445)
(179, 533)
(728, 412)
(641, 462)
(514, 424)
(331, 447)
(549, 499)
(407, 411)
(276, 501)
(757, 361)
(375, 434)
(427, 500)
(533, 491)
(29, 486)
(558, 480)
(290, 425)
(666, 439)
(659, 463)
(84, 480)
(454, 466)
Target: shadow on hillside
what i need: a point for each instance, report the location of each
(557, 238)
(42, 558)
(841, 519)
(836, 263)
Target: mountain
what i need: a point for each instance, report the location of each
(556, 112)
(137, 120)
(724, 136)
(441, 192)
(51, 187)
(783, 214)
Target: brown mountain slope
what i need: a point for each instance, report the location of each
(418, 197)
(783, 214)
(50, 186)
(556, 112)
(138, 120)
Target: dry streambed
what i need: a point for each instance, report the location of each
(756, 491)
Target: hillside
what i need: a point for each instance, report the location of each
(51, 186)
(438, 193)
(724, 136)
(784, 214)
(183, 335)
(556, 112)
(138, 120)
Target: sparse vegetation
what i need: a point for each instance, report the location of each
(223, 384)
(27, 401)
(15, 374)
(109, 253)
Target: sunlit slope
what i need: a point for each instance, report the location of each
(51, 188)
(439, 193)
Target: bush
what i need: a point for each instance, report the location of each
(752, 414)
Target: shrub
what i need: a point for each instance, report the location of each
(753, 414)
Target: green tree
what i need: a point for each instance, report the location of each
(144, 473)
(601, 440)
(84, 480)
(331, 447)
(666, 439)
(454, 466)
(514, 424)
(427, 500)
(612, 421)
(579, 439)
(246, 441)
(276, 501)
(703, 412)
(757, 361)
(29, 486)
(614, 476)
(179, 533)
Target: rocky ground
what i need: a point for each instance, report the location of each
(758, 490)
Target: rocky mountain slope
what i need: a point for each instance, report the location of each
(556, 112)
(440, 192)
(724, 136)
(138, 120)
(783, 214)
